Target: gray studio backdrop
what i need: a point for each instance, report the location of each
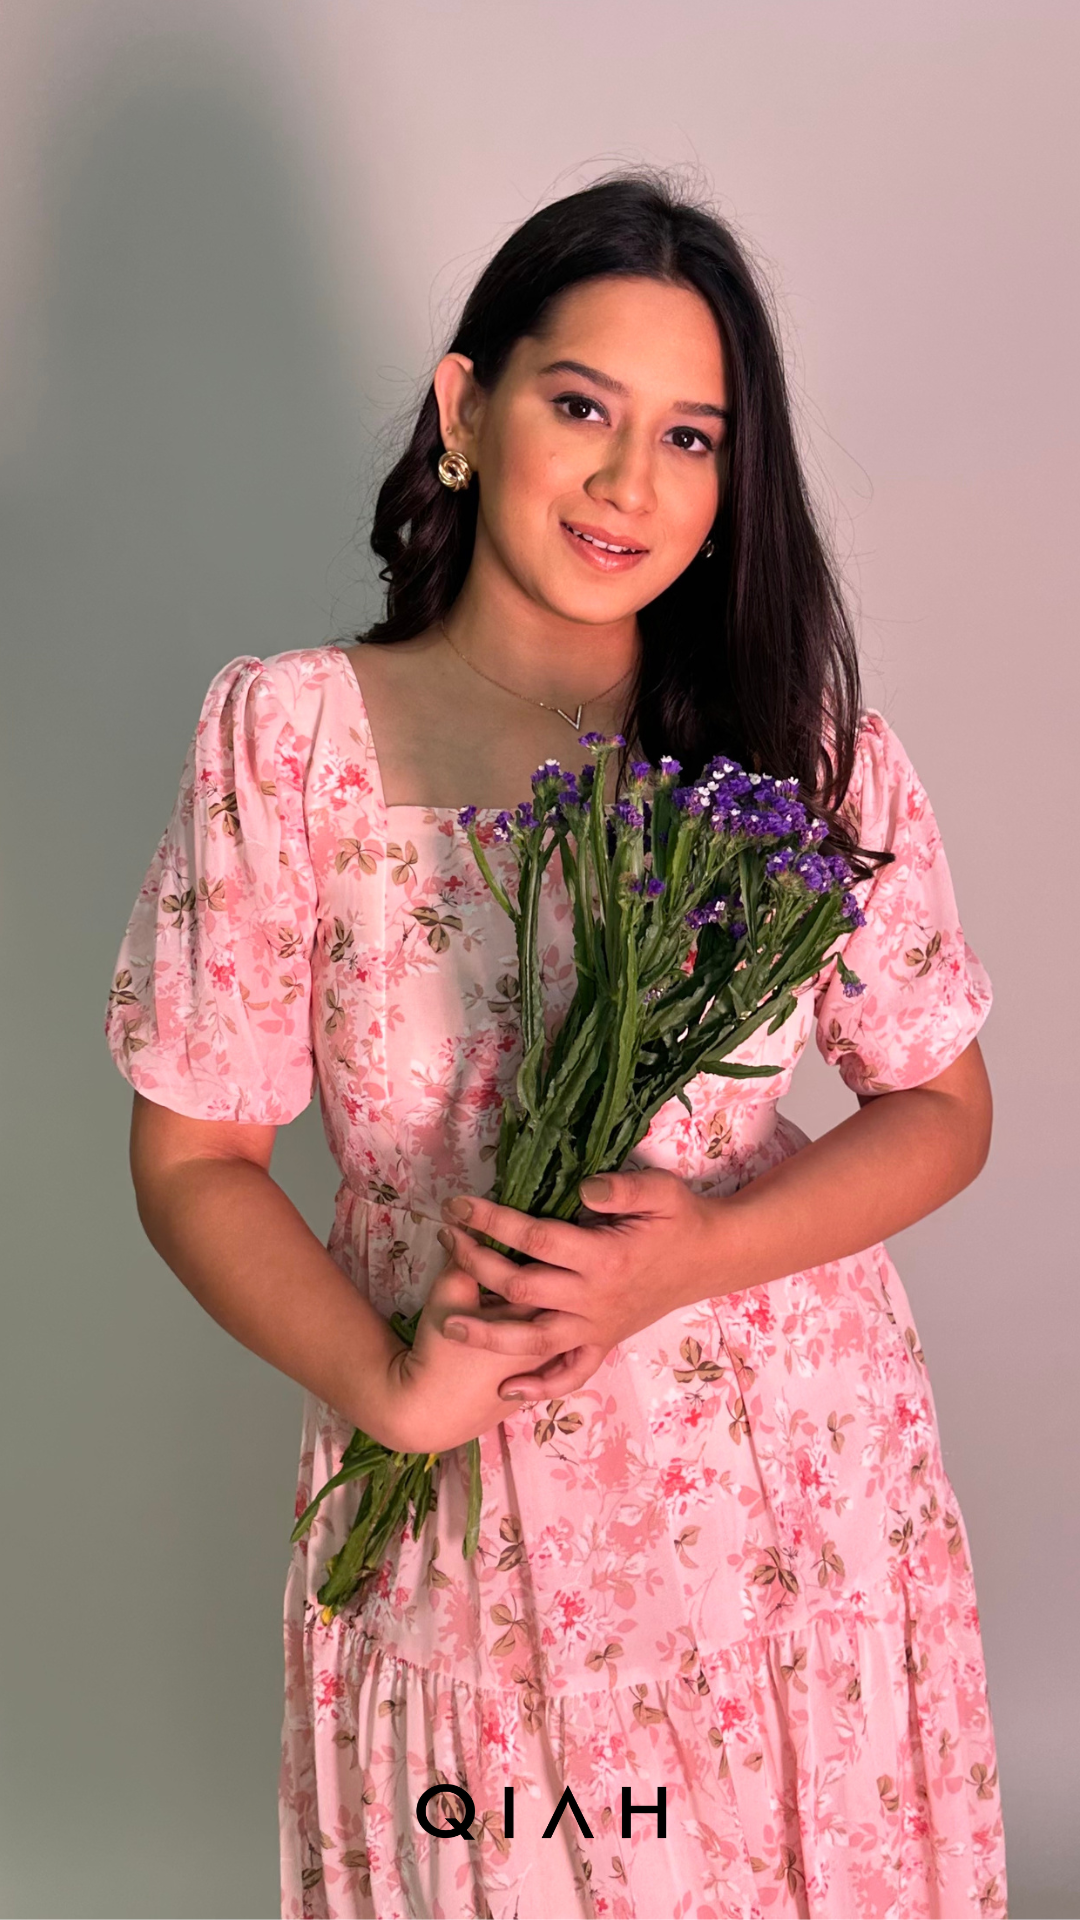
(233, 237)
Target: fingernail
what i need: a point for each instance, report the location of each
(455, 1331)
(512, 1396)
(445, 1239)
(595, 1187)
(459, 1209)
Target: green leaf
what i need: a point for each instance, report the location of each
(508, 1132)
(783, 1012)
(355, 1471)
(620, 1065)
(735, 1069)
(480, 857)
(475, 1501)
(405, 1328)
(528, 1076)
(535, 1143)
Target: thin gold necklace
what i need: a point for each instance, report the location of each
(573, 720)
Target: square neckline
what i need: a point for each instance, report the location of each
(401, 806)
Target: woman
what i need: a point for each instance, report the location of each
(723, 1594)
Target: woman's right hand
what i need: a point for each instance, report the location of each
(441, 1393)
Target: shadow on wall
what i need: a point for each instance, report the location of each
(191, 446)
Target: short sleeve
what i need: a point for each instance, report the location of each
(209, 1012)
(926, 993)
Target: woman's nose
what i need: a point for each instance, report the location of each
(626, 477)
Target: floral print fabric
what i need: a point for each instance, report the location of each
(732, 1565)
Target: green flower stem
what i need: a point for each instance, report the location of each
(532, 1004)
(598, 831)
(476, 1496)
(620, 1062)
(481, 859)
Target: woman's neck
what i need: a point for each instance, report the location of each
(542, 655)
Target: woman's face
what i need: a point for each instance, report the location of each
(626, 445)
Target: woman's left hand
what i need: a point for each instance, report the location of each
(652, 1244)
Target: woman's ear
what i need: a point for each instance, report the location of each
(459, 400)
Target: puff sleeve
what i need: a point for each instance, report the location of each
(926, 993)
(209, 1012)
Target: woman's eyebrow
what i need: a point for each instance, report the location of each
(616, 386)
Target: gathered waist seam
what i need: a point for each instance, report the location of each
(710, 1658)
(383, 1202)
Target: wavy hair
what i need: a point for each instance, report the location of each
(751, 654)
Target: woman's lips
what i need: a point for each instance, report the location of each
(596, 557)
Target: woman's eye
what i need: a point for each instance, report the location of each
(578, 400)
(695, 434)
(582, 400)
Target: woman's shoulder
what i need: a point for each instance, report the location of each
(881, 760)
(885, 795)
(297, 673)
(875, 736)
(291, 685)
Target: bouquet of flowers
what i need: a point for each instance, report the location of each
(697, 911)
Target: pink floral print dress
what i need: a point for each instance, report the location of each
(731, 1566)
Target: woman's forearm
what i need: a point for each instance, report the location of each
(240, 1247)
(897, 1159)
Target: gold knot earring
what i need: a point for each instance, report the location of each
(454, 470)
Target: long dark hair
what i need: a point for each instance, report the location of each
(750, 653)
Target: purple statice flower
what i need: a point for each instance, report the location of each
(780, 861)
(709, 915)
(601, 740)
(629, 815)
(466, 816)
(501, 827)
(818, 829)
(731, 784)
(633, 882)
(688, 800)
(750, 822)
(525, 817)
(586, 779)
(727, 817)
(852, 910)
(550, 770)
(811, 868)
(669, 766)
(836, 867)
(654, 886)
(641, 769)
(784, 815)
(756, 804)
(853, 986)
(737, 929)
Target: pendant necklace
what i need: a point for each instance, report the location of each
(572, 719)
